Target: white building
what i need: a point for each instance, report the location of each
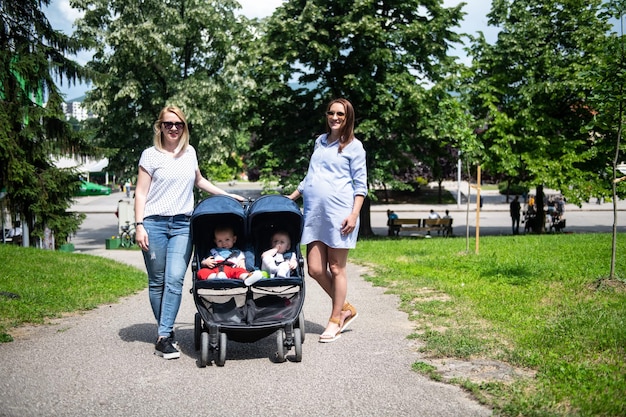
(84, 166)
(75, 109)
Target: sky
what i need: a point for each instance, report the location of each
(62, 17)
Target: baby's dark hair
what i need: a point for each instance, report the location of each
(220, 229)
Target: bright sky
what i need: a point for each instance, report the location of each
(62, 17)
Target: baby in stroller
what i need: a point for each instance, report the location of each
(238, 309)
(277, 261)
(225, 261)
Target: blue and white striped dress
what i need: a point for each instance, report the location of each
(328, 190)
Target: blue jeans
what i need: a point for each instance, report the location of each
(167, 259)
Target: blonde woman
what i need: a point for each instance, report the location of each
(168, 172)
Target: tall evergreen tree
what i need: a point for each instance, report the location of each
(31, 135)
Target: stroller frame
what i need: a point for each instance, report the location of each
(227, 309)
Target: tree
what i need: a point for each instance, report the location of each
(607, 101)
(381, 55)
(32, 135)
(152, 53)
(448, 129)
(528, 91)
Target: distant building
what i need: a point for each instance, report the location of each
(87, 168)
(75, 109)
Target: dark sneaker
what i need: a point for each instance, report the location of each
(165, 349)
(174, 341)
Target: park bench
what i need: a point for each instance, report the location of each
(441, 226)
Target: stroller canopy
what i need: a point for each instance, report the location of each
(219, 210)
(271, 213)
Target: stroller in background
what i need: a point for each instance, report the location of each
(557, 222)
(227, 309)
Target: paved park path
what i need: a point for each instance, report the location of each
(101, 363)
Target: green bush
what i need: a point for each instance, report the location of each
(419, 182)
(220, 173)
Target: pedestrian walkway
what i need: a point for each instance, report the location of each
(494, 216)
(101, 362)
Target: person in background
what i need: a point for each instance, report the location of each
(168, 172)
(515, 209)
(531, 204)
(560, 205)
(447, 231)
(333, 190)
(392, 230)
(433, 214)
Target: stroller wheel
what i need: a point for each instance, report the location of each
(297, 344)
(280, 345)
(197, 330)
(220, 358)
(300, 325)
(204, 352)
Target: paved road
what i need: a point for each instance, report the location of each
(100, 363)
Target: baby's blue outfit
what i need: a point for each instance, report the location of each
(328, 190)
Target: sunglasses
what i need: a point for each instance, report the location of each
(170, 125)
(338, 113)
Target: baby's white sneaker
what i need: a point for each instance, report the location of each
(253, 277)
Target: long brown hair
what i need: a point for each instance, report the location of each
(346, 133)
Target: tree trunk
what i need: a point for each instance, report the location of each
(539, 225)
(440, 191)
(508, 189)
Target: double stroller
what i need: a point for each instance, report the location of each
(228, 309)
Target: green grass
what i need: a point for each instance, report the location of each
(539, 303)
(36, 285)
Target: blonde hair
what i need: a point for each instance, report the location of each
(158, 133)
(346, 133)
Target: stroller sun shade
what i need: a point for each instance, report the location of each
(272, 213)
(216, 211)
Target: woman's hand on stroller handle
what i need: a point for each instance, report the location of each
(237, 197)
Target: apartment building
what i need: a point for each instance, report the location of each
(76, 110)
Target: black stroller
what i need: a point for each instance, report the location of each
(228, 309)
